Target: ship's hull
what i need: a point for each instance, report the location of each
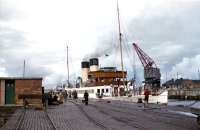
(94, 92)
(107, 92)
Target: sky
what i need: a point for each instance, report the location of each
(38, 31)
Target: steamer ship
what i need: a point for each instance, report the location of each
(101, 82)
(106, 81)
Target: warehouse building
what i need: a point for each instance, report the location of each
(183, 88)
(14, 90)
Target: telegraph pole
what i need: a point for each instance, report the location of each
(24, 67)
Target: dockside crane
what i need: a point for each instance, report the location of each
(151, 71)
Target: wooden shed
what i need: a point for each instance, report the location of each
(14, 89)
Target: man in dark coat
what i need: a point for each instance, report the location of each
(75, 95)
(86, 95)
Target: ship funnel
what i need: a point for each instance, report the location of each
(94, 64)
(85, 70)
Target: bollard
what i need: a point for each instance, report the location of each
(139, 100)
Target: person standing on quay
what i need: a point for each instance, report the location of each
(146, 96)
(86, 95)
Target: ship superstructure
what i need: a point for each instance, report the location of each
(93, 76)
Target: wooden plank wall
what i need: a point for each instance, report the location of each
(28, 87)
(2, 92)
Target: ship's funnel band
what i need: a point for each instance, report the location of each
(85, 64)
(94, 61)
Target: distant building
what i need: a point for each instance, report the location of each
(13, 90)
(182, 84)
(183, 88)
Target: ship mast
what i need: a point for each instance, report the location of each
(67, 68)
(120, 37)
(120, 42)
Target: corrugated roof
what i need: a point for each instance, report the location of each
(21, 78)
(179, 81)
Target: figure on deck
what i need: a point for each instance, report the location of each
(86, 95)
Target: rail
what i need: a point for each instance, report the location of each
(20, 120)
(90, 118)
(50, 121)
(123, 120)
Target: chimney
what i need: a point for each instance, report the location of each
(85, 70)
(94, 64)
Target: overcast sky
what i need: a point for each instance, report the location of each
(38, 31)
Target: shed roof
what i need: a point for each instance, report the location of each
(20, 78)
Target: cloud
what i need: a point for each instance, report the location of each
(11, 38)
(6, 12)
(187, 68)
(13, 50)
(167, 31)
(168, 35)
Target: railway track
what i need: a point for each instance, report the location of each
(148, 110)
(52, 125)
(101, 108)
(89, 117)
(20, 120)
(127, 121)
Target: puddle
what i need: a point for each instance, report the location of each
(184, 113)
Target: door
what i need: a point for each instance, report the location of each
(9, 92)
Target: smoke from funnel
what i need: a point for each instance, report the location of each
(105, 47)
